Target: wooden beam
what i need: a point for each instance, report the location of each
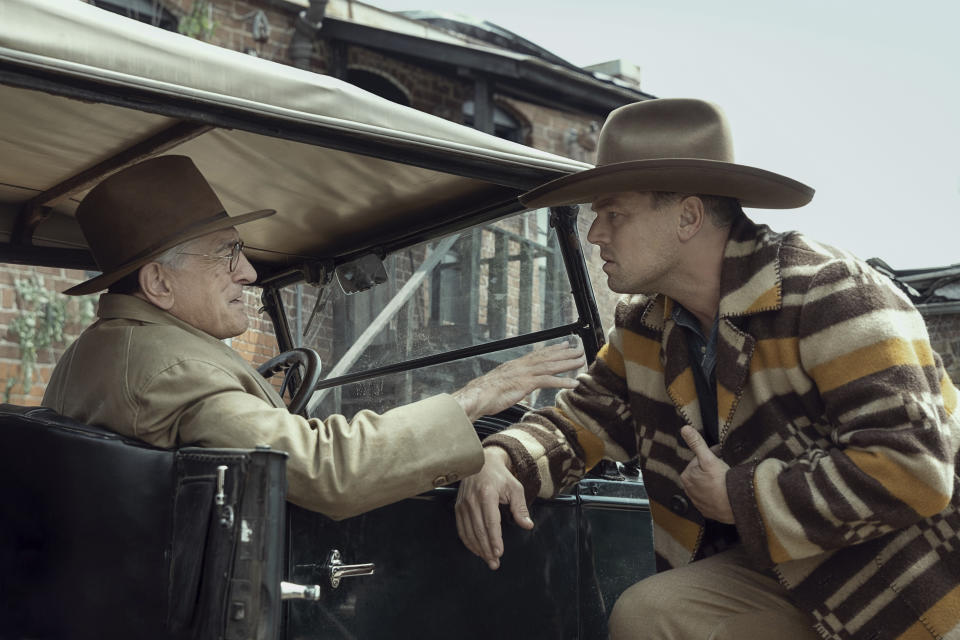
(48, 257)
(37, 209)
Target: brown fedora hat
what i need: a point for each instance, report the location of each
(138, 213)
(670, 144)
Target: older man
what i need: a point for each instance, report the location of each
(797, 436)
(153, 365)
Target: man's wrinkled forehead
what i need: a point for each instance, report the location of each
(218, 240)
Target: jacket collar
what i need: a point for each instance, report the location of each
(121, 306)
(126, 307)
(750, 279)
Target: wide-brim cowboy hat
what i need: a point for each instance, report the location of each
(138, 213)
(670, 144)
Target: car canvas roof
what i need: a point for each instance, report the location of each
(85, 92)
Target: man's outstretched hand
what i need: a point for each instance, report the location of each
(480, 496)
(705, 479)
(512, 381)
(478, 506)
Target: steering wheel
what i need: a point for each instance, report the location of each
(290, 361)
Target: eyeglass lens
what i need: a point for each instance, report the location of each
(235, 255)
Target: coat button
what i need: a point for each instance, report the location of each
(439, 481)
(679, 504)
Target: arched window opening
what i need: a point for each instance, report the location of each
(505, 124)
(142, 10)
(378, 84)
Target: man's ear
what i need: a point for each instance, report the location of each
(155, 285)
(690, 220)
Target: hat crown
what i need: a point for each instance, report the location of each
(140, 209)
(680, 145)
(669, 128)
(138, 213)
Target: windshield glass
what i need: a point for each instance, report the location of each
(500, 280)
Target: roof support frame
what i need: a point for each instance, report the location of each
(37, 209)
(516, 176)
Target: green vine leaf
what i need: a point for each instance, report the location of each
(199, 22)
(41, 324)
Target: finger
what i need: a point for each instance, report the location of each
(518, 507)
(465, 528)
(697, 444)
(543, 382)
(560, 365)
(461, 532)
(562, 351)
(494, 541)
(478, 519)
(566, 362)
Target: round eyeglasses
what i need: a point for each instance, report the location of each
(233, 256)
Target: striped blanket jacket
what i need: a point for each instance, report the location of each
(838, 422)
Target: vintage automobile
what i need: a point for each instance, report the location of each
(399, 254)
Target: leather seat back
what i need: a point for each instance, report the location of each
(102, 536)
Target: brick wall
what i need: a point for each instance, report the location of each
(431, 92)
(233, 21)
(12, 305)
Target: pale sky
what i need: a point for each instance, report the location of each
(860, 99)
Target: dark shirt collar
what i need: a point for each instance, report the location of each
(703, 357)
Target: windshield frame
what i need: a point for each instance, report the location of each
(587, 326)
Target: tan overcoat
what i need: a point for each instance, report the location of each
(143, 373)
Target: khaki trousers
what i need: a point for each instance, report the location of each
(718, 598)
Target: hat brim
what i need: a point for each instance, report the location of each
(753, 187)
(104, 280)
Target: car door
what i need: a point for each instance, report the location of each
(448, 311)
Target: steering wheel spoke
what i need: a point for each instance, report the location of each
(303, 357)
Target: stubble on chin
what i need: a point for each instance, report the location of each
(629, 289)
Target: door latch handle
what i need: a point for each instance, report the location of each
(335, 568)
(224, 510)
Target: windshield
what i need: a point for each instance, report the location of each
(500, 280)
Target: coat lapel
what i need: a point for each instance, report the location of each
(678, 374)
(734, 352)
(749, 284)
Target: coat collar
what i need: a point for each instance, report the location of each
(750, 280)
(126, 307)
(750, 283)
(114, 305)
(121, 306)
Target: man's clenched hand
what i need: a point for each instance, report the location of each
(705, 479)
(512, 381)
(478, 506)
